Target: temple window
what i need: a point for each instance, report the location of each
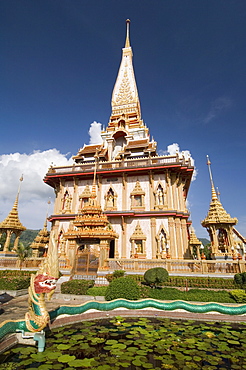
(137, 197)
(110, 200)
(138, 243)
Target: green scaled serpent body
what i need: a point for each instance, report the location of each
(11, 326)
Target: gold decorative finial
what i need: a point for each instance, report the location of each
(127, 44)
(21, 179)
(214, 195)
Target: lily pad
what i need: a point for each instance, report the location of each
(66, 358)
(86, 362)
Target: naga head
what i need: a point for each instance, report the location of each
(44, 283)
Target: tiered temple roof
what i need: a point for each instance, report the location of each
(12, 221)
(91, 222)
(41, 241)
(216, 213)
(126, 135)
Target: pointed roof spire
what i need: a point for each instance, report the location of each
(214, 195)
(125, 94)
(216, 213)
(12, 221)
(127, 44)
(193, 238)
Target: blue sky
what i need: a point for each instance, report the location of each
(59, 62)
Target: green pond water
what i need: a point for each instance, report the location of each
(136, 344)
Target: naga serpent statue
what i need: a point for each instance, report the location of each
(42, 286)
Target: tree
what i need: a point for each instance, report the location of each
(156, 276)
(23, 253)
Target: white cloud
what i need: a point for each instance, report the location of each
(95, 133)
(218, 106)
(173, 149)
(34, 192)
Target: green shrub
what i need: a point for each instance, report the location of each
(204, 295)
(76, 286)
(240, 279)
(97, 291)
(123, 287)
(239, 295)
(14, 283)
(167, 294)
(137, 278)
(156, 276)
(116, 274)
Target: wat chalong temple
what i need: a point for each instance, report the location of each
(121, 205)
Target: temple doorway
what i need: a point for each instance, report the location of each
(87, 260)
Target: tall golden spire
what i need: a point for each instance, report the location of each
(214, 195)
(125, 94)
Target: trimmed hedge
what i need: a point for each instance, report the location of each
(14, 283)
(16, 273)
(196, 295)
(194, 282)
(123, 287)
(239, 295)
(78, 287)
(200, 282)
(97, 290)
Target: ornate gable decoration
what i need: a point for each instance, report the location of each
(138, 233)
(86, 193)
(137, 189)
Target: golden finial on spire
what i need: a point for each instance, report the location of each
(127, 44)
(21, 179)
(214, 195)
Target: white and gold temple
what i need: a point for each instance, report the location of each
(143, 195)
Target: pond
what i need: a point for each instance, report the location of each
(136, 344)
